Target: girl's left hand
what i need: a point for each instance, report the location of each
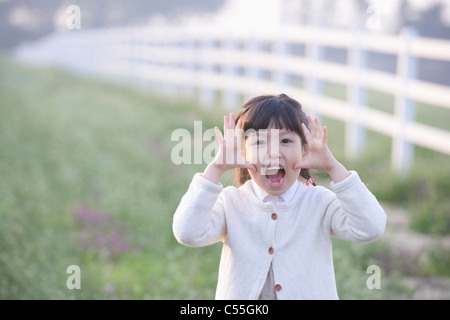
(316, 153)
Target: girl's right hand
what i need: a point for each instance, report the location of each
(229, 155)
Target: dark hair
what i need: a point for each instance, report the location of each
(283, 111)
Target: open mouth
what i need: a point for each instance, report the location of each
(275, 176)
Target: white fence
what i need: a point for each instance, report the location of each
(239, 65)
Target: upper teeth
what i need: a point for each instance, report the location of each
(273, 168)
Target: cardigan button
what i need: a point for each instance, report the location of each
(277, 288)
(274, 216)
(271, 251)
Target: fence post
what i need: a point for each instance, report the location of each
(355, 133)
(155, 61)
(141, 45)
(207, 94)
(133, 60)
(123, 54)
(189, 65)
(281, 77)
(403, 150)
(230, 95)
(170, 88)
(253, 69)
(163, 44)
(313, 54)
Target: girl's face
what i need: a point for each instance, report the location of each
(274, 153)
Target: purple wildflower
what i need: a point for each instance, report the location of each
(100, 231)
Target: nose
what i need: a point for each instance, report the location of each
(272, 156)
(274, 143)
(273, 150)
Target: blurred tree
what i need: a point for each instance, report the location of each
(428, 22)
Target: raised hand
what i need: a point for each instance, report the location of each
(317, 155)
(229, 155)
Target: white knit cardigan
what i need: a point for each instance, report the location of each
(300, 234)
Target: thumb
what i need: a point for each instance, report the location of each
(303, 164)
(248, 165)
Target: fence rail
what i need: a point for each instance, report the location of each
(243, 64)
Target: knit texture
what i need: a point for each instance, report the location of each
(301, 259)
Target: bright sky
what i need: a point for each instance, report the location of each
(250, 14)
(266, 14)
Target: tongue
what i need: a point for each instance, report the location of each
(277, 176)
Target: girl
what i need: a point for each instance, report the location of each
(275, 230)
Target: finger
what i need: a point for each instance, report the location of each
(219, 135)
(238, 130)
(232, 121)
(238, 133)
(249, 166)
(301, 164)
(318, 128)
(228, 132)
(306, 133)
(312, 127)
(325, 135)
(225, 124)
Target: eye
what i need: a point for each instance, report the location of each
(260, 142)
(286, 141)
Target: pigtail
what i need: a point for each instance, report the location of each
(307, 175)
(242, 175)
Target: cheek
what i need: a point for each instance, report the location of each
(249, 154)
(295, 153)
(299, 154)
(254, 176)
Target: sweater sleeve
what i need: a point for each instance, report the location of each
(353, 213)
(200, 218)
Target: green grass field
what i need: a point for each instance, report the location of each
(87, 180)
